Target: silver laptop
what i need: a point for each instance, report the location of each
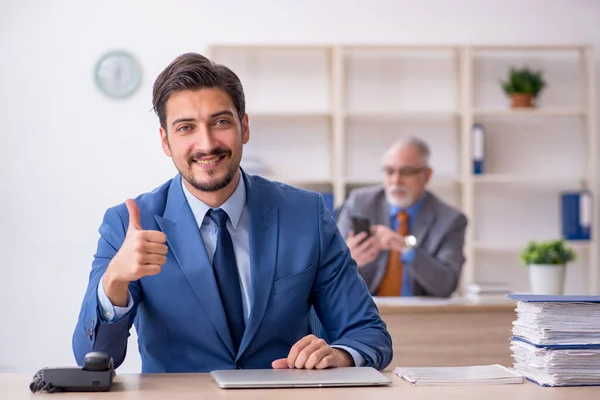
(287, 378)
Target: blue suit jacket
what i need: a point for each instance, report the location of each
(298, 259)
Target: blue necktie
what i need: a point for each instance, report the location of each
(228, 279)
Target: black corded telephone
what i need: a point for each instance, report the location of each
(95, 376)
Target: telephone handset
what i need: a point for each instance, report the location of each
(96, 376)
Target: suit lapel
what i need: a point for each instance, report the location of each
(185, 241)
(382, 216)
(423, 221)
(263, 233)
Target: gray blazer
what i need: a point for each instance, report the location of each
(439, 229)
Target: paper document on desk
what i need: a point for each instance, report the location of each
(494, 374)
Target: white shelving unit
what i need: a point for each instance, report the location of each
(322, 116)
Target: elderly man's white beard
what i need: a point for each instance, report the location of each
(402, 203)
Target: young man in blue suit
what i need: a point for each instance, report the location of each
(219, 269)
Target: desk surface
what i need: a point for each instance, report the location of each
(423, 305)
(201, 387)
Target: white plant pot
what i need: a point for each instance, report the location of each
(547, 279)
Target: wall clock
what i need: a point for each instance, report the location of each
(118, 74)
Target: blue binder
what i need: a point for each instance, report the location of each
(576, 215)
(532, 298)
(558, 346)
(478, 148)
(546, 385)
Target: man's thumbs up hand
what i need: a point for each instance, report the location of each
(135, 222)
(143, 253)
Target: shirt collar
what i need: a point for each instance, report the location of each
(233, 206)
(411, 211)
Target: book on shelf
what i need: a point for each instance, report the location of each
(576, 210)
(494, 374)
(478, 148)
(556, 339)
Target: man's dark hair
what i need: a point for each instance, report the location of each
(192, 71)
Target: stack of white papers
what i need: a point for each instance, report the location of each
(494, 374)
(488, 291)
(556, 339)
(558, 323)
(557, 366)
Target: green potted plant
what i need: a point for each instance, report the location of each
(547, 262)
(523, 86)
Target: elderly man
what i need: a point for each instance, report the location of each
(402, 206)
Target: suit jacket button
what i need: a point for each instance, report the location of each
(239, 365)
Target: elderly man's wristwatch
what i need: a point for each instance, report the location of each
(410, 242)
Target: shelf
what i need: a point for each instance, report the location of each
(443, 181)
(477, 112)
(399, 47)
(531, 47)
(401, 114)
(300, 181)
(542, 180)
(493, 247)
(288, 114)
(267, 47)
(396, 46)
(323, 115)
(529, 112)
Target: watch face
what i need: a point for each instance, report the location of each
(410, 241)
(118, 74)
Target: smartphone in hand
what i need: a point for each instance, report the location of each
(360, 224)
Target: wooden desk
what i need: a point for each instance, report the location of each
(448, 332)
(201, 387)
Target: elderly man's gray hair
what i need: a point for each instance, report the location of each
(415, 143)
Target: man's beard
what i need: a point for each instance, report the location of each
(212, 185)
(392, 199)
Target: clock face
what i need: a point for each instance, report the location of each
(118, 74)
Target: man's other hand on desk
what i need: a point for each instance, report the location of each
(311, 352)
(363, 249)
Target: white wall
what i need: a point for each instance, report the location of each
(69, 153)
